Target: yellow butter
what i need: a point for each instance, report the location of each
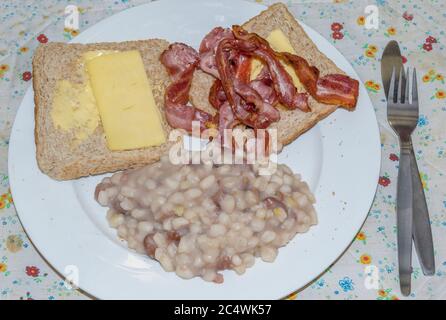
(280, 43)
(125, 101)
(74, 109)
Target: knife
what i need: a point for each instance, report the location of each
(422, 232)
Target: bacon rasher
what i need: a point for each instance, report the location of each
(180, 61)
(337, 89)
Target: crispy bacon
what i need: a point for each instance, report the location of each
(254, 45)
(180, 61)
(247, 104)
(336, 89)
(263, 84)
(226, 54)
(208, 47)
(217, 95)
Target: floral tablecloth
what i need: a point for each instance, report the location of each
(419, 28)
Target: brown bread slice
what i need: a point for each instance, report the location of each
(293, 123)
(56, 155)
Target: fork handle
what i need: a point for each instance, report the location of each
(422, 232)
(404, 220)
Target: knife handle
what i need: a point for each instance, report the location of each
(422, 232)
(404, 217)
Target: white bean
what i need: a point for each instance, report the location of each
(139, 213)
(257, 224)
(177, 223)
(192, 193)
(207, 182)
(268, 236)
(217, 230)
(145, 227)
(228, 204)
(103, 198)
(268, 254)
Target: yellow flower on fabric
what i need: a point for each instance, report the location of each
(372, 86)
(2, 203)
(4, 68)
(426, 78)
(360, 21)
(3, 267)
(74, 32)
(382, 293)
(24, 49)
(439, 77)
(365, 259)
(394, 297)
(391, 31)
(373, 48)
(361, 236)
(369, 53)
(431, 72)
(440, 94)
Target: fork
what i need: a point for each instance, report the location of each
(402, 115)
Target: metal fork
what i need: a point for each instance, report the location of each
(402, 115)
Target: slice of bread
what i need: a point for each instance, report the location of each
(56, 156)
(293, 122)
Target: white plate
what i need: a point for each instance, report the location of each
(340, 159)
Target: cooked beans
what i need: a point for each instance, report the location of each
(198, 220)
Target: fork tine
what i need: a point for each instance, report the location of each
(400, 86)
(414, 87)
(407, 85)
(391, 94)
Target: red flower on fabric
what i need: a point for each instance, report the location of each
(32, 271)
(393, 157)
(42, 38)
(337, 35)
(336, 26)
(427, 46)
(384, 181)
(404, 59)
(431, 39)
(408, 16)
(26, 76)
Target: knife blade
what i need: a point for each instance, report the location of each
(422, 233)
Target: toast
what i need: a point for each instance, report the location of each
(61, 160)
(292, 123)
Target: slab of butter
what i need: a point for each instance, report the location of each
(74, 105)
(74, 109)
(280, 43)
(125, 101)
